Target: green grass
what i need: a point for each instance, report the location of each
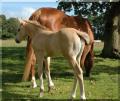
(103, 83)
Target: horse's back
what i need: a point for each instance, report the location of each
(49, 17)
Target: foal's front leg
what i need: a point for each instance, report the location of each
(40, 58)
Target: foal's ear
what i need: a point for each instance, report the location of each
(22, 22)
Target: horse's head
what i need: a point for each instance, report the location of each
(21, 32)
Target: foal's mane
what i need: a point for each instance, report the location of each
(35, 23)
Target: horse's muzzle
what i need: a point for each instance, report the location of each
(17, 41)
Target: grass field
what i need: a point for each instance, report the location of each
(103, 83)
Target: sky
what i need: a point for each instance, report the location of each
(12, 8)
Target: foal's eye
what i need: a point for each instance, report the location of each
(18, 29)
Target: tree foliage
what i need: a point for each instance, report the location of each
(94, 11)
(8, 27)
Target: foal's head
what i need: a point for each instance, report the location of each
(27, 28)
(21, 31)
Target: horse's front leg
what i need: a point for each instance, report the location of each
(47, 70)
(40, 58)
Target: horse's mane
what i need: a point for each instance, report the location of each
(37, 24)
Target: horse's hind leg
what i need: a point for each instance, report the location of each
(47, 70)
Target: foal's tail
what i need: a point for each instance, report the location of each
(83, 35)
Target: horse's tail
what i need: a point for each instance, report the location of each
(84, 35)
(28, 61)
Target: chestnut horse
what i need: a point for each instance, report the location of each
(54, 20)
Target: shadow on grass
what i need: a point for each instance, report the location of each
(13, 53)
(13, 59)
(8, 96)
(12, 63)
(103, 66)
(11, 77)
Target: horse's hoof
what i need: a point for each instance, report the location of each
(51, 88)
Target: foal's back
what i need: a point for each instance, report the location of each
(52, 43)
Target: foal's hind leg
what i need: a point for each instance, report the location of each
(79, 74)
(47, 70)
(73, 95)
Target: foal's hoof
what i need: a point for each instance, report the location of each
(41, 94)
(83, 98)
(72, 97)
(34, 86)
(51, 88)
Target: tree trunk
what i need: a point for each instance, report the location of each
(112, 32)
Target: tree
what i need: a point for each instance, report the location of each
(2, 23)
(12, 26)
(8, 27)
(112, 32)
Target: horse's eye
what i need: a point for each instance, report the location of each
(18, 29)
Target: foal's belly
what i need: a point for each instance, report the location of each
(52, 51)
(52, 46)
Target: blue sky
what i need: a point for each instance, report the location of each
(23, 9)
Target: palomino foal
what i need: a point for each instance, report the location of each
(68, 41)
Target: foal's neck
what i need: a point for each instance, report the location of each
(32, 30)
